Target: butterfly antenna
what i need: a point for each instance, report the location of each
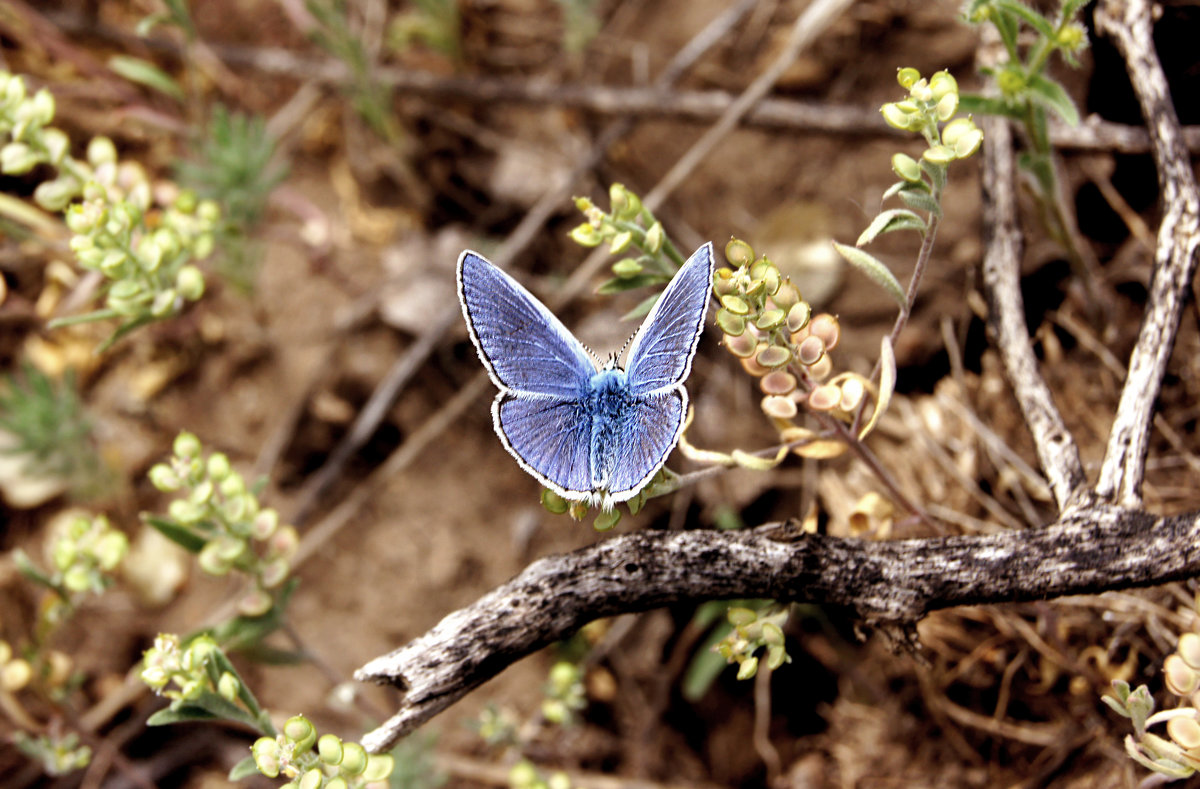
(624, 347)
(593, 354)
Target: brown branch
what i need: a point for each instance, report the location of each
(889, 584)
(1127, 23)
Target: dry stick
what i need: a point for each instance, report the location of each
(406, 366)
(1093, 134)
(1127, 23)
(886, 584)
(1056, 449)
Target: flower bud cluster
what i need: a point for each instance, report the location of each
(930, 103)
(144, 252)
(216, 505)
(564, 693)
(771, 329)
(87, 553)
(58, 754)
(629, 227)
(751, 631)
(324, 762)
(184, 668)
(1178, 754)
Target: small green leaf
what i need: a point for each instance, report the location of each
(1035, 20)
(27, 568)
(606, 520)
(622, 284)
(243, 769)
(217, 706)
(974, 104)
(875, 269)
(921, 201)
(1053, 96)
(184, 714)
(177, 534)
(1116, 706)
(936, 173)
(889, 221)
(643, 309)
(706, 665)
(1070, 8)
(145, 73)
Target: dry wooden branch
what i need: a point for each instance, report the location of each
(882, 583)
(1127, 22)
(1056, 450)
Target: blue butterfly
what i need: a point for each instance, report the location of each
(588, 434)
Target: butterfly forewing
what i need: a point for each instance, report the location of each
(524, 347)
(661, 352)
(550, 437)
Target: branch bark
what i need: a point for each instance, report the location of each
(1056, 449)
(1127, 23)
(885, 584)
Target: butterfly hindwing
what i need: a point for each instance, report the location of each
(640, 443)
(661, 352)
(550, 437)
(524, 347)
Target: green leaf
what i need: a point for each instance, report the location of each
(641, 310)
(921, 201)
(183, 714)
(975, 104)
(889, 221)
(1116, 706)
(27, 568)
(148, 23)
(1070, 8)
(620, 285)
(706, 665)
(274, 656)
(873, 268)
(936, 173)
(244, 769)
(1035, 20)
(180, 535)
(221, 707)
(1053, 96)
(145, 73)
(244, 631)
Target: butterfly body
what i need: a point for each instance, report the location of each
(590, 435)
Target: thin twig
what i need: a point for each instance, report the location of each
(1128, 24)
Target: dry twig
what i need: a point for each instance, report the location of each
(1127, 23)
